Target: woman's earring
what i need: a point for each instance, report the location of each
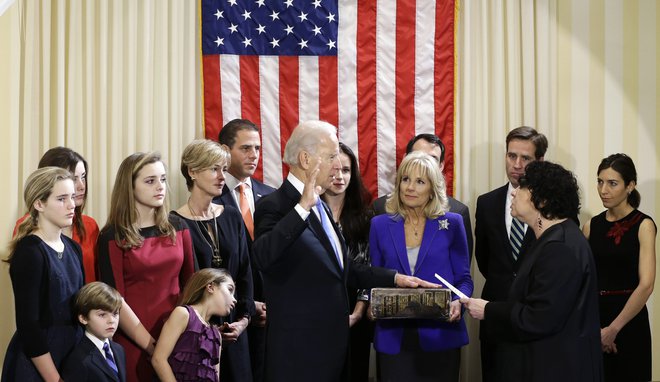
(539, 222)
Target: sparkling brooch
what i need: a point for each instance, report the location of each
(443, 224)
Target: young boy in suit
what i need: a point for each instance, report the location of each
(96, 357)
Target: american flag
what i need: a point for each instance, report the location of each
(381, 71)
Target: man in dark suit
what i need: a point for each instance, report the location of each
(432, 145)
(494, 251)
(241, 138)
(96, 358)
(302, 257)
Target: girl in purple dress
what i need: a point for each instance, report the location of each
(189, 347)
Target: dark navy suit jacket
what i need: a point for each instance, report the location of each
(87, 364)
(305, 287)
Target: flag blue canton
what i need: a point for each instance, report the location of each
(270, 27)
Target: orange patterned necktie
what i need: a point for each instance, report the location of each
(245, 210)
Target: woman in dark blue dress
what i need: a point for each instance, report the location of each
(219, 240)
(46, 271)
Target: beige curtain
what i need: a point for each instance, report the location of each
(583, 72)
(108, 78)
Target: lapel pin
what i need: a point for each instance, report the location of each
(443, 224)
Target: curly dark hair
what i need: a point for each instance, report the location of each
(554, 189)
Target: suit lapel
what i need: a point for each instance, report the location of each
(315, 226)
(398, 237)
(99, 361)
(227, 198)
(430, 230)
(257, 191)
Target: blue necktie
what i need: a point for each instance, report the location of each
(327, 227)
(109, 358)
(516, 237)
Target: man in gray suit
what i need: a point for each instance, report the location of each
(433, 146)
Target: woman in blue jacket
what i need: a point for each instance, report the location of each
(419, 237)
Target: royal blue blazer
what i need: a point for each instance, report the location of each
(444, 251)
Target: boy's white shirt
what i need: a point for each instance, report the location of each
(99, 343)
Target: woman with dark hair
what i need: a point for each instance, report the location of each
(623, 242)
(84, 229)
(547, 329)
(350, 203)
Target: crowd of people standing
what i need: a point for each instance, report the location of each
(246, 282)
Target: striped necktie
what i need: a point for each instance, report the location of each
(109, 358)
(516, 237)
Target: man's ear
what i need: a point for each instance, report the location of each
(304, 159)
(82, 319)
(226, 147)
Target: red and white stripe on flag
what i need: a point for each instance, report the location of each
(392, 78)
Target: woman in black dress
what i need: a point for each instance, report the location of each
(350, 203)
(547, 329)
(623, 243)
(218, 236)
(46, 271)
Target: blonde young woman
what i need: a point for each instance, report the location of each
(146, 254)
(46, 271)
(219, 239)
(84, 229)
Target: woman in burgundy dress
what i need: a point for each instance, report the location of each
(622, 240)
(146, 254)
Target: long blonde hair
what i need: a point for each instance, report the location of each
(123, 210)
(38, 186)
(428, 167)
(193, 292)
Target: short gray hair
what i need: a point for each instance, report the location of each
(306, 136)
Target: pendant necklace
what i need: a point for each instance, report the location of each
(414, 227)
(216, 260)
